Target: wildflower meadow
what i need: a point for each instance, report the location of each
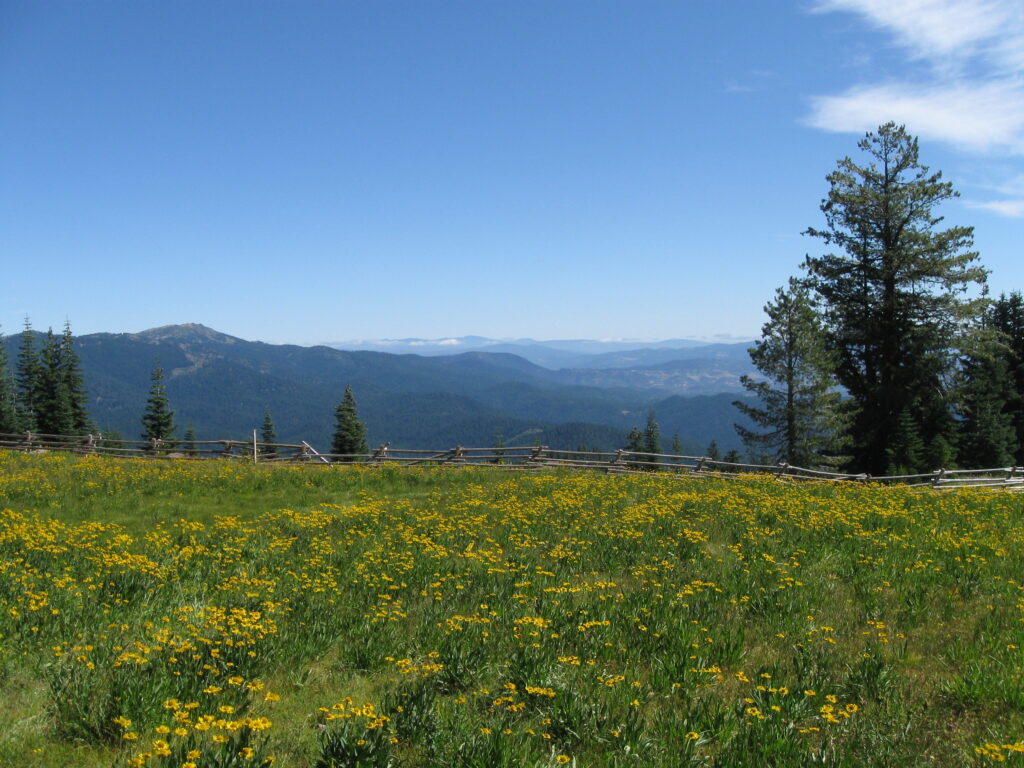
(179, 614)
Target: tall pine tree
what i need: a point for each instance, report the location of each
(74, 384)
(27, 378)
(51, 399)
(349, 433)
(49, 386)
(895, 295)
(799, 409)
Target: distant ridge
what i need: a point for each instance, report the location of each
(560, 354)
(222, 385)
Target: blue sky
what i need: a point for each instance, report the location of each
(317, 171)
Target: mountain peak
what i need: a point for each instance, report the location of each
(184, 332)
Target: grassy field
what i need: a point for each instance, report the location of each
(220, 614)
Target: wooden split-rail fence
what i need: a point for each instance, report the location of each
(512, 458)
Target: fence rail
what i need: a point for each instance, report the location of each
(513, 458)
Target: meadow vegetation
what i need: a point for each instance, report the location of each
(211, 613)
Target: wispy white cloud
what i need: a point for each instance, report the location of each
(1012, 186)
(975, 116)
(938, 30)
(1013, 209)
(1011, 194)
(966, 85)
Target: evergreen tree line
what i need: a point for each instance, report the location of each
(45, 392)
(158, 423)
(886, 356)
(644, 445)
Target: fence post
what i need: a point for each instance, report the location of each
(309, 450)
(28, 441)
(939, 473)
(615, 463)
(783, 466)
(381, 453)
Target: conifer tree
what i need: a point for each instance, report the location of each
(732, 456)
(27, 378)
(635, 441)
(190, 440)
(906, 449)
(712, 451)
(941, 451)
(349, 433)
(799, 406)
(268, 434)
(635, 444)
(74, 384)
(652, 434)
(677, 444)
(9, 421)
(1005, 318)
(987, 438)
(158, 418)
(651, 439)
(51, 399)
(896, 305)
(990, 401)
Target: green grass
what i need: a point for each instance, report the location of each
(472, 617)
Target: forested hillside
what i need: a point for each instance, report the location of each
(223, 385)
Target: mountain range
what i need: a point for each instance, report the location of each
(560, 354)
(222, 384)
